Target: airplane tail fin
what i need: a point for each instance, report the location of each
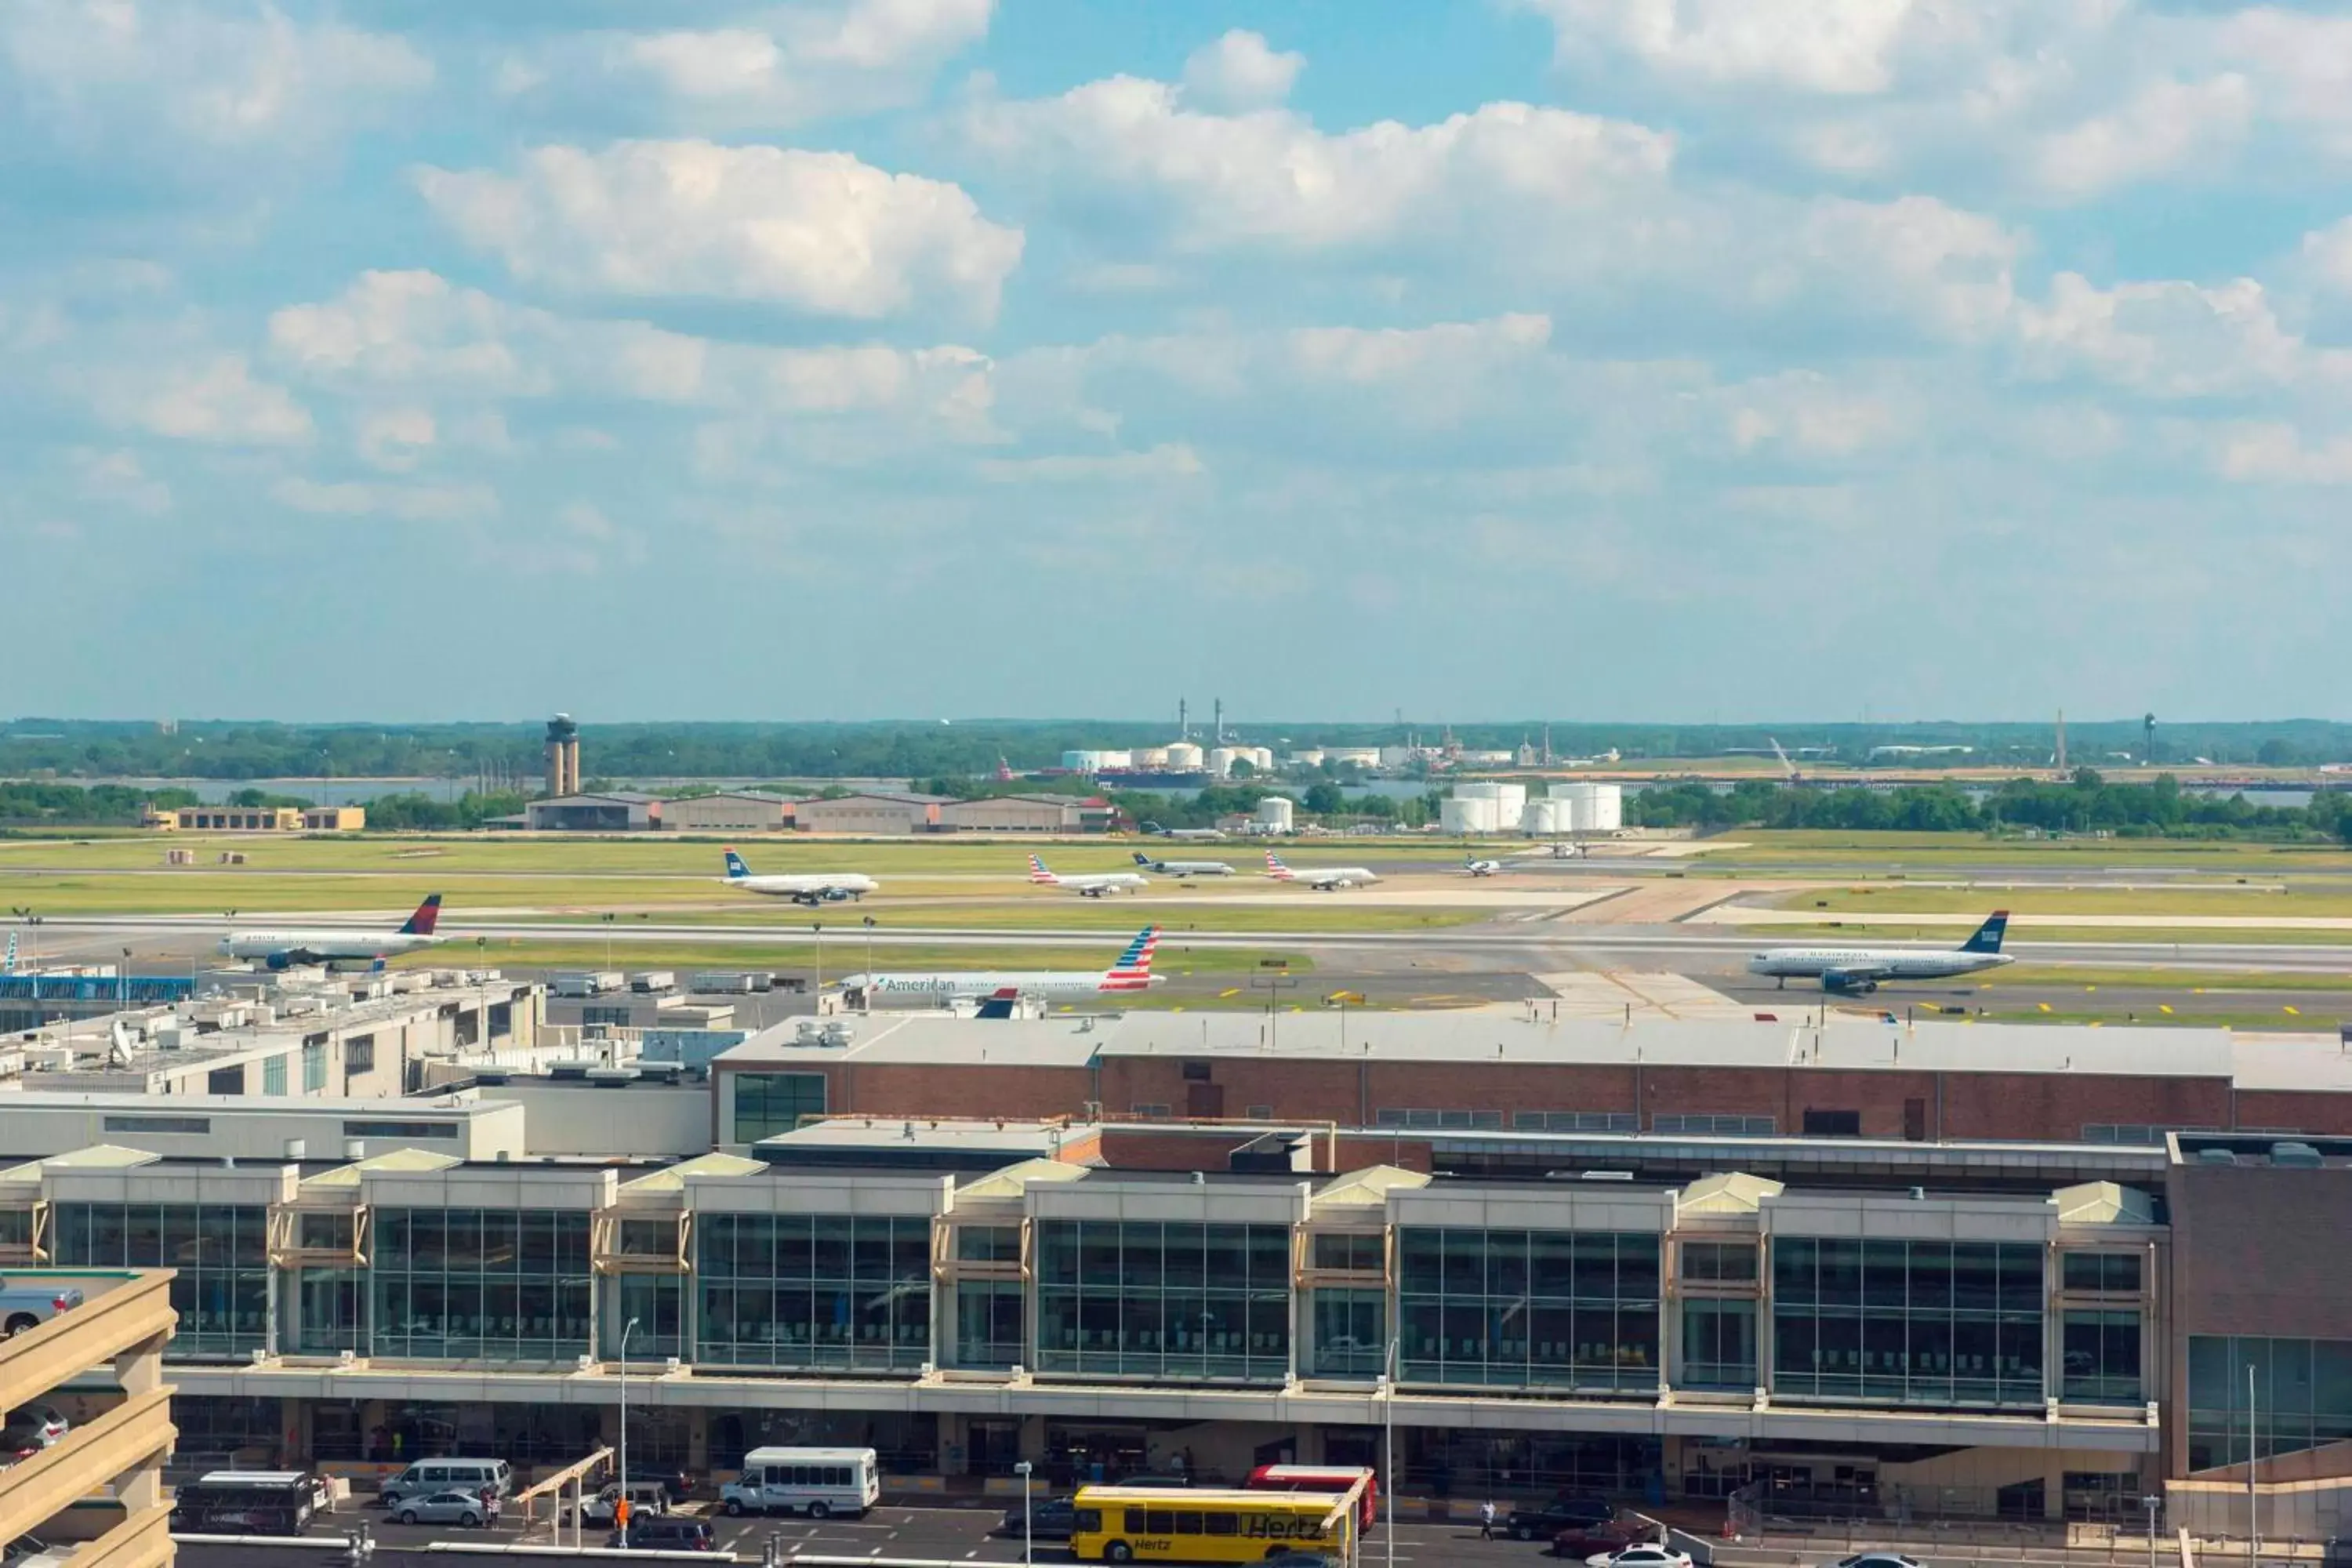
(997, 1004)
(1037, 872)
(1276, 869)
(735, 870)
(1987, 935)
(1141, 859)
(421, 923)
(1133, 972)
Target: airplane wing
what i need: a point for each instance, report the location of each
(1857, 977)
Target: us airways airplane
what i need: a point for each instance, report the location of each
(1857, 971)
(1195, 835)
(813, 889)
(1088, 884)
(1184, 867)
(1322, 878)
(1131, 971)
(283, 948)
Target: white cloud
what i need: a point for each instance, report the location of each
(804, 62)
(821, 232)
(218, 401)
(169, 75)
(117, 478)
(2164, 126)
(1813, 46)
(408, 503)
(2302, 62)
(2325, 256)
(1172, 461)
(1803, 413)
(1240, 70)
(395, 439)
(2171, 340)
(2277, 454)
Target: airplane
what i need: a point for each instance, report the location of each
(1475, 867)
(1322, 878)
(1198, 835)
(814, 888)
(284, 949)
(1091, 884)
(1131, 971)
(1856, 971)
(1184, 867)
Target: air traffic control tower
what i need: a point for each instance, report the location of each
(562, 756)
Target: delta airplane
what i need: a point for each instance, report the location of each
(1089, 884)
(1195, 835)
(1856, 971)
(1184, 867)
(283, 948)
(814, 888)
(1131, 971)
(1471, 868)
(1322, 878)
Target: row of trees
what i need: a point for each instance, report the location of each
(2089, 802)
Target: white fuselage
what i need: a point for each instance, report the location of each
(1197, 835)
(1095, 884)
(1193, 867)
(970, 983)
(1324, 879)
(1483, 868)
(322, 944)
(835, 885)
(1879, 962)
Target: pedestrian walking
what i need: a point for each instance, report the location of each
(1487, 1520)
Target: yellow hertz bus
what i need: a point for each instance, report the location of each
(1158, 1524)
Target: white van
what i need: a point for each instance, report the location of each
(428, 1475)
(819, 1482)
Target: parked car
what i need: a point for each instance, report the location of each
(1643, 1554)
(1050, 1518)
(468, 1509)
(644, 1497)
(1582, 1541)
(664, 1533)
(1874, 1558)
(677, 1483)
(427, 1477)
(1562, 1513)
(26, 1307)
(32, 1426)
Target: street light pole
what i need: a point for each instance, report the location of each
(1022, 1468)
(2152, 1502)
(1387, 1421)
(626, 1330)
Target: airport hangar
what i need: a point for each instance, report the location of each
(1973, 1323)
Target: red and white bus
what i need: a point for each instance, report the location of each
(1334, 1478)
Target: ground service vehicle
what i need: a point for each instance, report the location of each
(1131, 1524)
(443, 1474)
(1328, 1478)
(644, 1497)
(819, 1482)
(246, 1503)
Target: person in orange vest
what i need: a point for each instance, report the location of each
(621, 1515)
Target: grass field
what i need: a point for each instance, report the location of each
(2090, 931)
(2192, 982)
(2265, 901)
(846, 956)
(1831, 850)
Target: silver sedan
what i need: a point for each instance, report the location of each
(466, 1508)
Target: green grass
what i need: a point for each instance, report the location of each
(2190, 981)
(2089, 931)
(1120, 916)
(1831, 850)
(846, 956)
(2253, 900)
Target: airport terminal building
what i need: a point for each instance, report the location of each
(1963, 1326)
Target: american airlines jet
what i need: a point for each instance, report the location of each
(1088, 884)
(811, 889)
(1131, 971)
(1856, 971)
(283, 948)
(1322, 878)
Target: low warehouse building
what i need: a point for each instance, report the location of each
(732, 811)
(623, 811)
(876, 812)
(1015, 814)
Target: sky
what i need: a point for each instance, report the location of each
(1590, 359)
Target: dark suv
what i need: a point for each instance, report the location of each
(664, 1533)
(1562, 1513)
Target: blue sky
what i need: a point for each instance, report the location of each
(1672, 359)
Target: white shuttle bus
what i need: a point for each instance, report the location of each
(818, 1482)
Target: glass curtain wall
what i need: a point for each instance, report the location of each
(1528, 1308)
(767, 1103)
(817, 1291)
(988, 1322)
(1911, 1323)
(1718, 1345)
(2302, 1394)
(221, 1252)
(329, 1311)
(2099, 1356)
(1352, 1337)
(470, 1284)
(656, 1302)
(1170, 1301)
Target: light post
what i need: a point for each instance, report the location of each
(2151, 1503)
(1388, 1424)
(1022, 1468)
(626, 1330)
(818, 927)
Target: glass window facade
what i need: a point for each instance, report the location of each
(314, 1065)
(222, 1254)
(1718, 1345)
(273, 1075)
(2302, 1393)
(465, 1284)
(1363, 1254)
(2116, 1273)
(1158, 1300)
(815, 1291)
(767, 1103)
(989, 1314)
(1351, 1333)
(1520, 1308)
(988, 1243)
(2099, 1356)
(1718, 1262)
(1913, 1322)
(656, 1302)
(329, 1311)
